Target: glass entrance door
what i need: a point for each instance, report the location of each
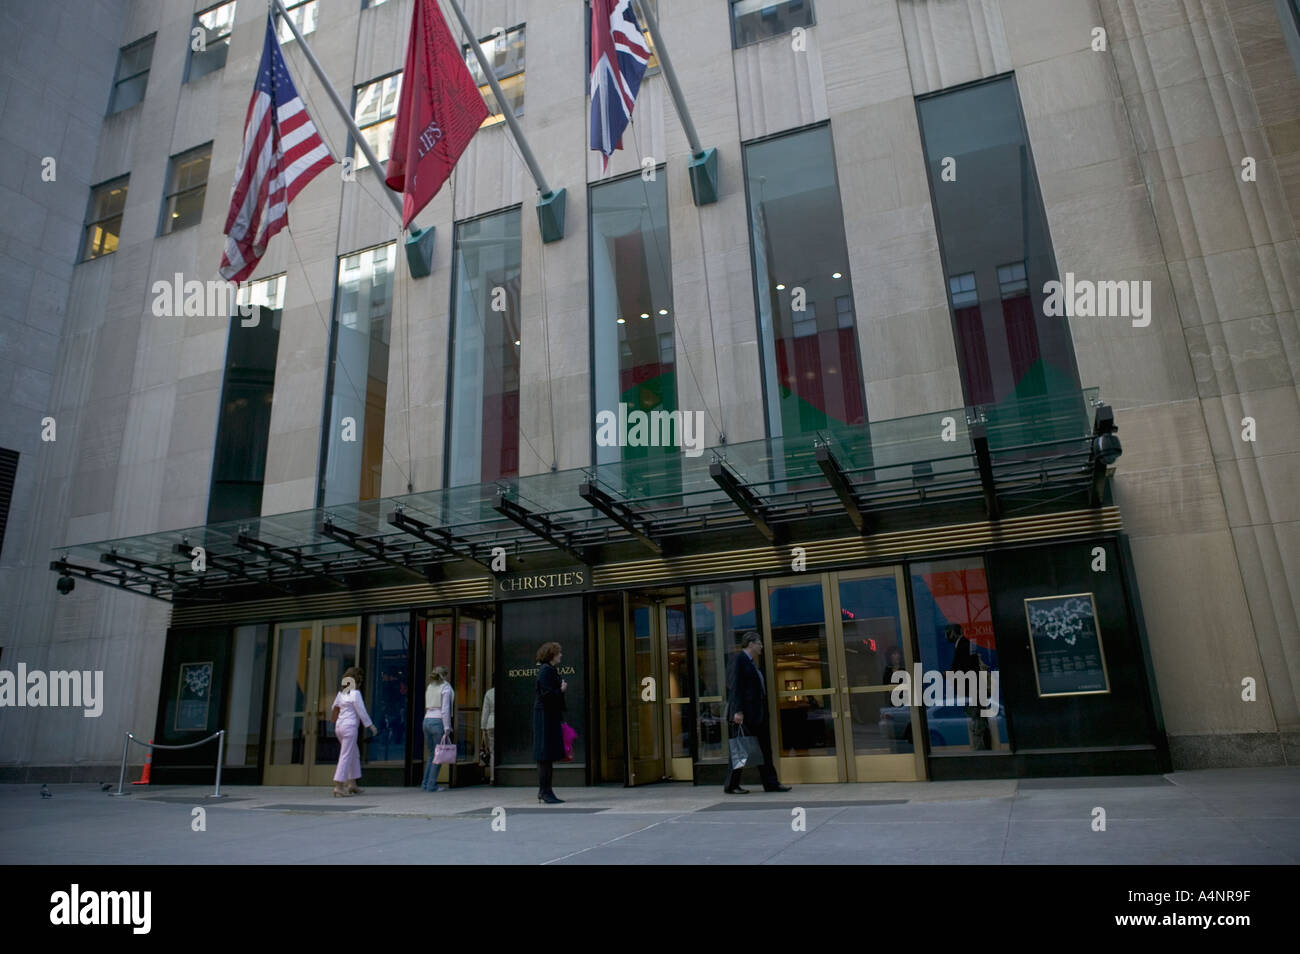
(872, 643)
(832, 640)
(645, 691)
(308, 664)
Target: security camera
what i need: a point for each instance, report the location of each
(66, 584)
(1107, 448)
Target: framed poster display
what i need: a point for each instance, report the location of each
(193, 697)
(1065, 642)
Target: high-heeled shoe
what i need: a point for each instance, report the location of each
(354, 790)
(550, 799)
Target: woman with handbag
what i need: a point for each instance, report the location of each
(439, 725)
(548, 715)
(349, 715)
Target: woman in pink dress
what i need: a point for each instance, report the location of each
(349, 715)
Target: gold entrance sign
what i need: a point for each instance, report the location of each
(541, 583)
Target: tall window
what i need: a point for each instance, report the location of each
(376, 107)
(187, 183)
(995, 244)
(303, 14)
(506, 54)
(132, 75)
(634, 361)
(388, 639)
(213, 25)
(483, 403)
(358, 377)
(104, 218)
(244, 422)
(812, 377)
(954, 627)
(754, 20)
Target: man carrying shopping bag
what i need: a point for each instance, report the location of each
(747, 714)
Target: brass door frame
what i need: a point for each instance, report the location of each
(307, 773)
(812, 768)
(654, 769)
(901, 767)
(676, 768)
(845, 765)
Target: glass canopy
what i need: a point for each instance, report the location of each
(1016, 457)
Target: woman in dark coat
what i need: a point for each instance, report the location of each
(548, 712)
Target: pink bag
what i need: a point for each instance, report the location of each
(444, 753)
(568, 733)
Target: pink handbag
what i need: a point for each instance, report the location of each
(444, 753)
(569, 734)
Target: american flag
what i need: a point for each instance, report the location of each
(282, 153)
(618, 61)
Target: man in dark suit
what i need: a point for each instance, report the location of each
(747, 706)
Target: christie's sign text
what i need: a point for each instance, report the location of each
(550, 581)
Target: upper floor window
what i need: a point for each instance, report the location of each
(133, 64)
(210, 40)
(505, 52)
(996, 248)
(483, 400)
(244, 418)
(358, 377)
(634, 354)
(754, 20)
(812, 376)
(187, 184)
(303, 14)
(375, 112)
(104, 219)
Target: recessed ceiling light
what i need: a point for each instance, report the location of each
(645, 314)
(663, 311)
(780, 287)
(837, 275)
(622, 321)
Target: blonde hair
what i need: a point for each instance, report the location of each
(438, 675)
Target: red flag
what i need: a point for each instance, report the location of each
(439, 111)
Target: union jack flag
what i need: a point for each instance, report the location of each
(282, 153)
(618, 61)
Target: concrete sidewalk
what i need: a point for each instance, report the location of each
(1229, 816)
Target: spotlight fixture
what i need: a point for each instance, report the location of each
(622, 320)
(645, 314)
(780, 286)
(516, 342)
(836, 275)
(66, 584)
(663, 311)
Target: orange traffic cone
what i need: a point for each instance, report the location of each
(148, 764)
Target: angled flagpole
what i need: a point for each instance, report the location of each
(419, 239)
(703, 166)
(550, 207)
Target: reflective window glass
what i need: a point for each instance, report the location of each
(358, 377)
(812, 375)
(483, 407)
(996, 247)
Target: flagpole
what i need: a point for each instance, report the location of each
(666, 64)
(364, 146)
(704, 162)
(525, 150)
